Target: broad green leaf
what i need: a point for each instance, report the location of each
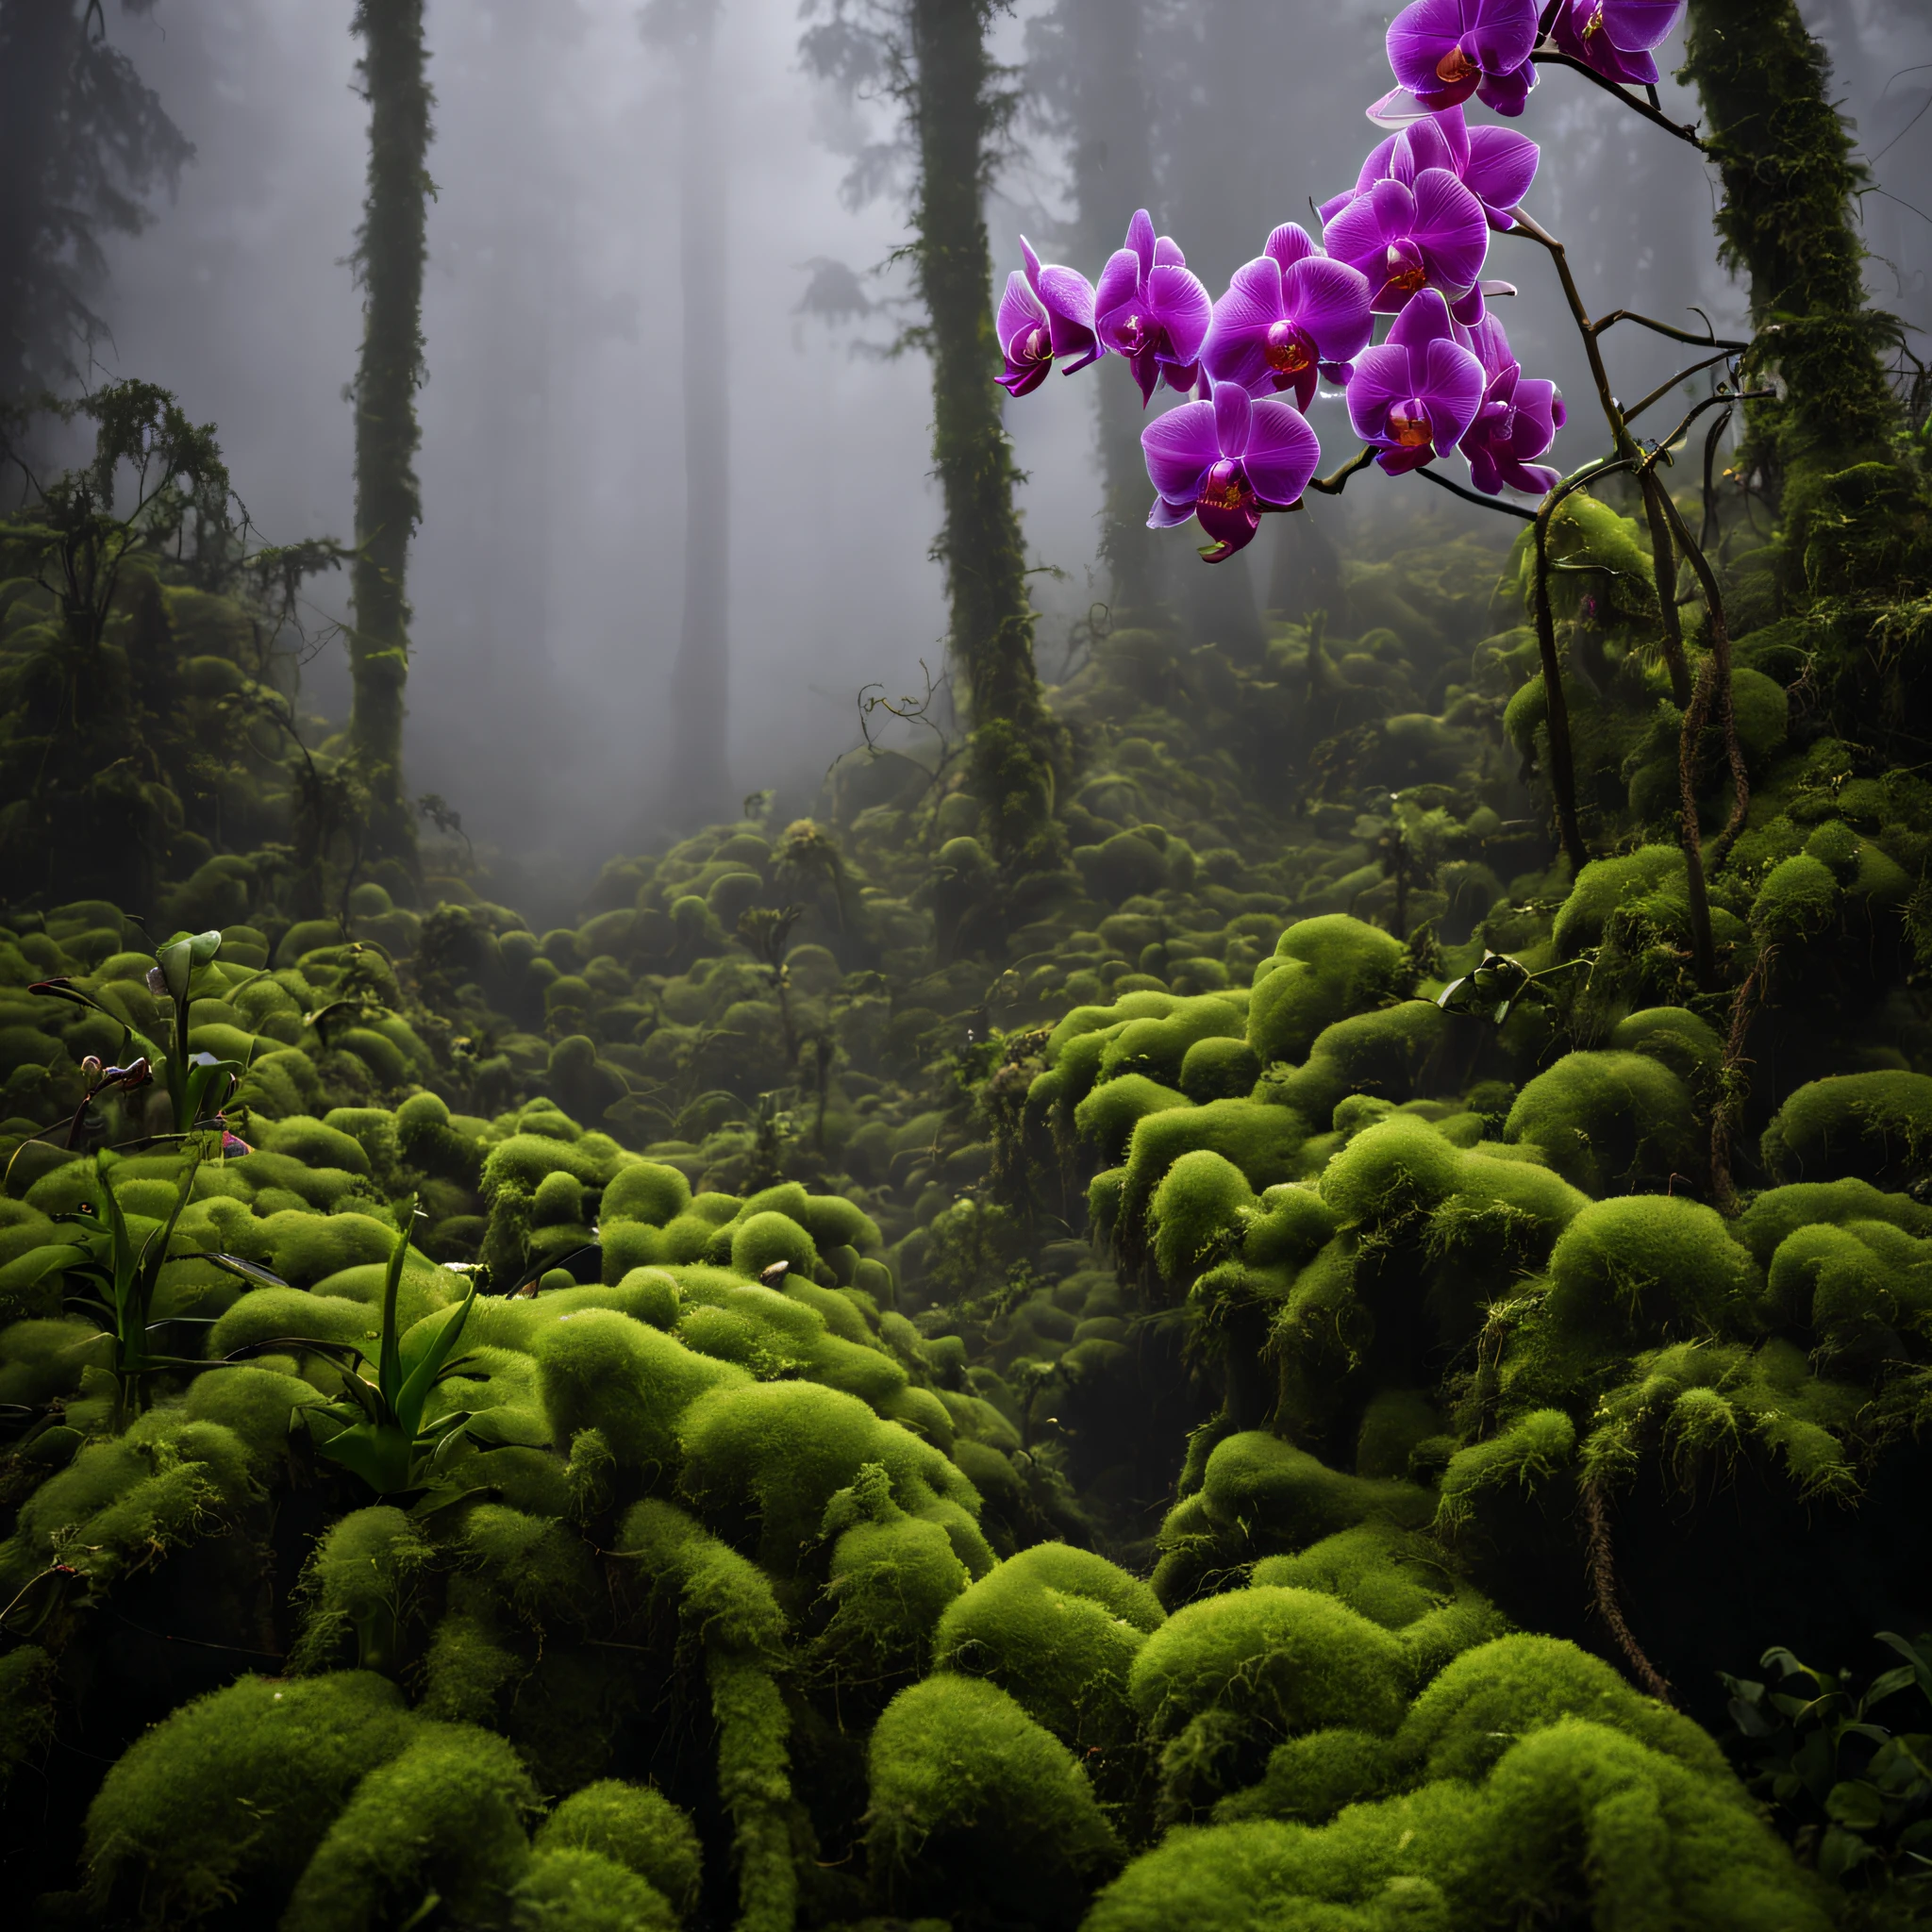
(1856, 1805)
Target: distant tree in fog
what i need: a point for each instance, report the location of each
(84, 144)
(931, 56)
(1087, 88)
(698, 776)
(390, 251)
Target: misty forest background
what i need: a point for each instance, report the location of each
(547, 576)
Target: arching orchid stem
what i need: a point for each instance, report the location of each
(1557, 707)
(1599, 376)
(1502, 508)
(1709, 340)
(1664, 388)
(1711, 444)
(1548, 57)
(1334, 485)
(1664, 558)
(1718, 666)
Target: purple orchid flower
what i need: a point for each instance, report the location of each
(1495, 164)
(1151, 309)
(1407, 237)
(1443, 51)
(1045, 316)
(1413, 398)
(1615, 38)
(1518, 420)
(1289, 315)
(1226, 461)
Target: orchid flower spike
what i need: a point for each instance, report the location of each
(1404, 238)
(1046, 315)
(1616, 38)
(1151, 309)
(1518, 420)
(1443, 51)
(1226, 460)
(1289, 316)
(1412, 399)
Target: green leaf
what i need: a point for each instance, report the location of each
(248, 1270)
(379, 1453)
(430, 1370)
(1856, 1805)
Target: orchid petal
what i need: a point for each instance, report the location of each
(1020, 308)
(1380, 379)
(1450, 228)
(1288, 244)
(1233, 412)
(1502, 164)
(1452, 391)
(1119, 284)
(1396, 109)
(1425, 321)
(1331, 301)
(1640, 26)
(1508, 94)
(1283, 452)
(1419, 37)
(1232, 530)
(1504, 35)
(1170, 516)
(1184, 308)
(1180, 447)
(1032, 262)
(1140, 241)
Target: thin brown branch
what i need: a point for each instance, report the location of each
(1603, 1586)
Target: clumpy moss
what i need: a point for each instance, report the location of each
(1873, 1127)
(573, 1889)
(1288, 1660)
(161, 1844)
(362, 1587)
(977, 1808)
(445, 1816)
(1329, 967)
(1611, 1123)
(1651, 1267)
(636, 1826)
(1059, 1629)
(1463, 1723)
(601, 1370)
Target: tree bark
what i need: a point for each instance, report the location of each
(1789, 182)
(1017, 749)
(391, 250)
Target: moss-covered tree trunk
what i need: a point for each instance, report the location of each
(1017, 748)
(1853, 513)
(388, 259)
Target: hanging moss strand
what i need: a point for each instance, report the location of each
(389, 252)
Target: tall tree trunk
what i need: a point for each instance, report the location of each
(83, 142)
(1017, 749)
(1850, 507)
(701, 680)
(388, 257)
(1106, 116)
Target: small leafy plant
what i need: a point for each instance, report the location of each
(1857, 1794)
(123, 1278)
(198, 1083)
(375, 1428)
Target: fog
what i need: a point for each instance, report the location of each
(546, 575)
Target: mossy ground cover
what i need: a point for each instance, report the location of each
(1113, 1393)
